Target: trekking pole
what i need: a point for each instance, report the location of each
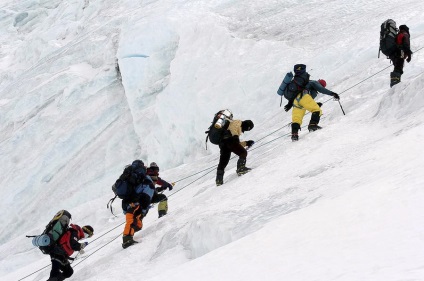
(341, 107)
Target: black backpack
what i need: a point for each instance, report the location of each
(388, 35)
(298, 83)
(54, 230)
(219, 127)
(124, 186)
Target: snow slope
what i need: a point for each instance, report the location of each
(343, 203)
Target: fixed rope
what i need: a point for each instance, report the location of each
(211, 168)
(288, 124)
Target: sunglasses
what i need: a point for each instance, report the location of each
(87, 232)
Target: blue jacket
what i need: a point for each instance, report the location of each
(314, 87)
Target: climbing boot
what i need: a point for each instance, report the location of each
(219, 177)
(314, 127)
(128, 240)
(313, 124)
(295, 131)
(394, 78)
(161, 213)
(241, 167)
(59, 277)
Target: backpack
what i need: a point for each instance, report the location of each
(124, 186)
(297, 84)
(122, 189)
(287, 79)
(219, 127)
(54, 230)
(388, 34)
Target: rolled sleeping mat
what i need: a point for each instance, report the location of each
(41, 240)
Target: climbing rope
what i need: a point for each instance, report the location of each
(100, 247)
(288, 124)
(78, 253)
(211, 168)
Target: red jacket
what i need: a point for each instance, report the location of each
(403, 41)
(154, 175)
(69, 240)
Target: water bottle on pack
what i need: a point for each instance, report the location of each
(222, 117)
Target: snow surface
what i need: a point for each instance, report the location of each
(343, 203)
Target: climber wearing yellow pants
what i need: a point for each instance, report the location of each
(305, 101)
(158, 197)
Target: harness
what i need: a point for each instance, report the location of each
(299, 97)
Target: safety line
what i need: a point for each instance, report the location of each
(99, 248)
(211, 168)
(362, 81)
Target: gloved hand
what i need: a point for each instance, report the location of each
(336, 96)
(408, 59)
(288, 106)
(249, 143)
(319, 104)
(82, 247)
(171, 186)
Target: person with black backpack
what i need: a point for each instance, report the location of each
(402, 53)
(67, 244)
(225, 132)
(302, 99)
(139, 190)
(231, 143)
(158, 196)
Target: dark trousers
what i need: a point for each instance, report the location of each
(145, 201)
(60, 270)
(398, 64)
(159, 197)
(226, 147)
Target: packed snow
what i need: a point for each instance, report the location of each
(88, 86)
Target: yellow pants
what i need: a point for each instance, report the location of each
(163, 206)
(301, 104)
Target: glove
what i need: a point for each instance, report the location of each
(249, 143)
(408, 59)
(170, 186)
(336, 96)
(319, 104)
(83, 245)
(288, 106)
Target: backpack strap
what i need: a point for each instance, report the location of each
(111, 202)
(207, 138)
(304, 83)
(206, 142)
